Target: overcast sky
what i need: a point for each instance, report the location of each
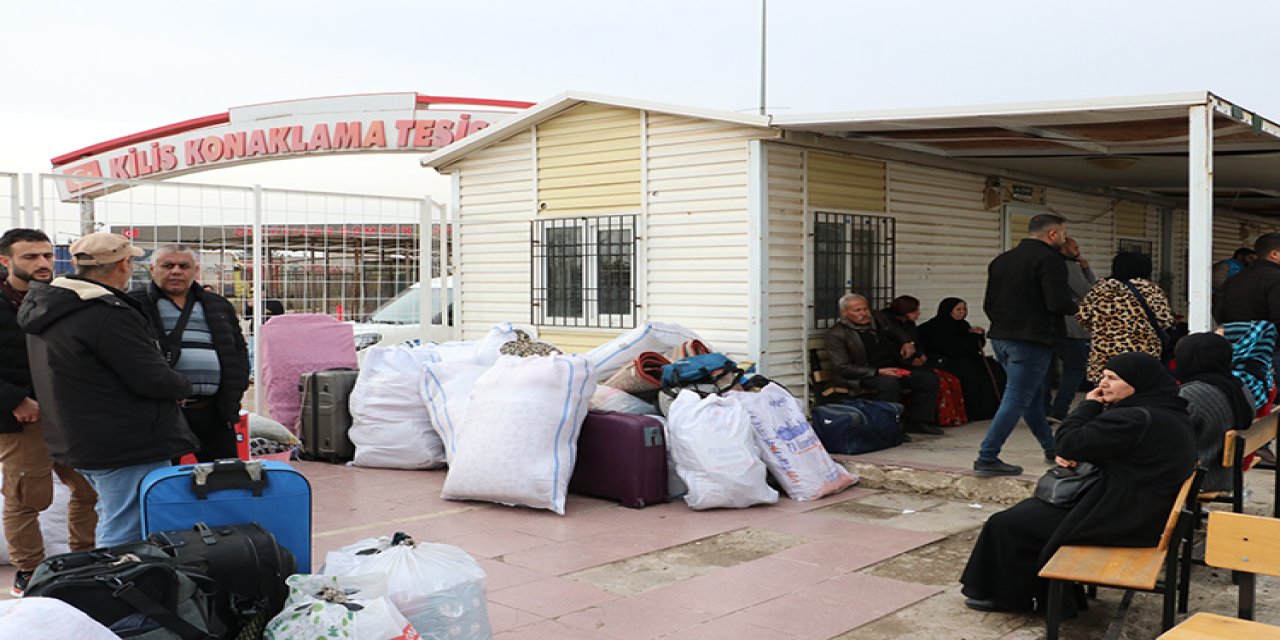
(78, 72)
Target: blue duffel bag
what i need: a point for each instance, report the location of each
(858, 426)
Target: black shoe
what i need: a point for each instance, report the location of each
(996, 468)
(20, 582)
(989, 606)
(1050, 457)
(905, 437)
(1053, 421)
(920, 427)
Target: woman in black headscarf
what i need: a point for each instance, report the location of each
(1216, 399)
(1135, 428)
(956, 347)
(1114, 314)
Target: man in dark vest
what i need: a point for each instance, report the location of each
(200, 334)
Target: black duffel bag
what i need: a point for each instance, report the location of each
(246, 562)
(136, 590)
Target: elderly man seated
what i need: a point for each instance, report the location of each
(870, 353)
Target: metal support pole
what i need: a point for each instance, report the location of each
(88, 219)
(453, 272)
(258, 274)
(426, 253)
(764, 32)
(1200, 218)
(15, 202)
(31, 197)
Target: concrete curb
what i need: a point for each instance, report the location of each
(956, 485)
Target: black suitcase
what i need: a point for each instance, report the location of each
(325, 415)
(134, 589)
(246, 562)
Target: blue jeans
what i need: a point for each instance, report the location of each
(1074, 354)
(119, 516)
(1025, 363)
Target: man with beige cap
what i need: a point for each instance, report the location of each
(109, 399)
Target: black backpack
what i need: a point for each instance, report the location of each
(136, 590)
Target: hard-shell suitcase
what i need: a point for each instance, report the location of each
(227, 492)
(621, 456)
(326, 417)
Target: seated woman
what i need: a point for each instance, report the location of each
(1216, 399)
(1135, 428)
(956, 347)
(903, 313)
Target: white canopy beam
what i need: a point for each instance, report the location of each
(1200, 218)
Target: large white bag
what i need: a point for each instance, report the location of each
(438, 587)
(37, 618)
(792, 451)
(615, 354)
(715, 453)
(484, 352)
(446, 390)
(53, 524)
(517, 441)
(355, 607)
(390, 424)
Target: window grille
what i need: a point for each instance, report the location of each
(584, 272)
(852, 253)
(1128, 245)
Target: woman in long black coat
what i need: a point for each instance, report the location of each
(1135, 427)
(956, 347)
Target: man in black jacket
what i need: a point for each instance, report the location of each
(869, 352)
(108, 398)
(28, 470)
(1026, 300)
(200, 334)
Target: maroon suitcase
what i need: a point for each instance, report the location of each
(623, 457)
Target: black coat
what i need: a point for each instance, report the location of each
(849, 365)
(15, 375)
(107, 397)
(1142, 470)
(228, 343)
(1252, 294)
(1027, 294)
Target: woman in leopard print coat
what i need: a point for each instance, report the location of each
(1115, 317)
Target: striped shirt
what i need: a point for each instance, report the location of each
(198, 362)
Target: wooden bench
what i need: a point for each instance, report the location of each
(1128, 568)
(1237, 445)
(1248, 545)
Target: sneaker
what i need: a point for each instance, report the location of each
(20, 582)
(995, 468)
(1053, 421)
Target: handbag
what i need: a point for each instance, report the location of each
(1166, 342)
(1064, 486)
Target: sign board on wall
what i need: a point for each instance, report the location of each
(389, 122)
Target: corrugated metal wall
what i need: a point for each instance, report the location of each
(945, 236)
(589, 161)
(843, 183)
(496, 202)
(785, 359)
(1091, 221)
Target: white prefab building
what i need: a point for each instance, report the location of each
(586, 215)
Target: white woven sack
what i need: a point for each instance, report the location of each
(520, 434)
(617, 353)
(438, 587)
(792, 451)
(390, 424)
(446, 389)
(36, 618)
(716, 454)
(53, 524)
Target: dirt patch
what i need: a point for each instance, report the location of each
(700, 557)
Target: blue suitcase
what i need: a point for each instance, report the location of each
(272, 494)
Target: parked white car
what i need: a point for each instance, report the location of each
(398, 320)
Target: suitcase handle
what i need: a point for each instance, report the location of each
(231, 473)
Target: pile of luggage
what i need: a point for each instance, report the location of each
(649, 416)
(227, 554)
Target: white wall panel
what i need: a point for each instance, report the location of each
(785, 362)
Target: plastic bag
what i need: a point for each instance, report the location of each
(607, 398)
(517, 441)
(438, 587)
(446, 389)
(53, 524)
(715, 453)
(390, 424)
(264, 427)
(36, 618)
(615, 354)
(792, 452)
(326, 606)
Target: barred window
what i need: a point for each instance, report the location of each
(1129, 245)
(584, 272)
(852, 253)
